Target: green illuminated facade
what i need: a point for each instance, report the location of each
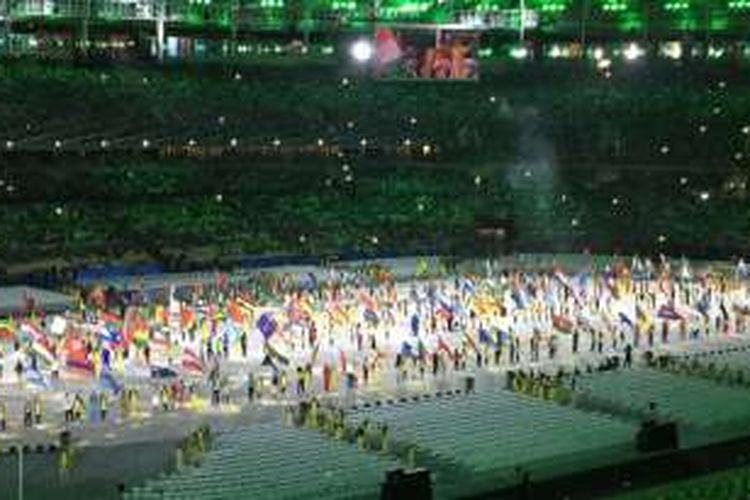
(650, 17)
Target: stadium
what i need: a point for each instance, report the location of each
(292, 249)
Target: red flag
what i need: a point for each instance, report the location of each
(562, 324)
(387, 49)
(442, 346)
(191, 361)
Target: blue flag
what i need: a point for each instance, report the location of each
(267, 325)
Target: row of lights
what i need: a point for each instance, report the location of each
(233, 142)
(630, 51)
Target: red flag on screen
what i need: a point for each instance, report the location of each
(387, 48)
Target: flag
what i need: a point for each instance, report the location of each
(703, 305)
(442, 346)
(108, 381)
(471, 342)
(444, 309)
(111, 337)
(562, 323)
(80, 366)
(74, 348)
(624, 319)
(267, 325)
(33, 331)
(191, 362)
(407, 351)
(7, 330)
(187, 317)
(518, 298)
(642, 319)
(484, 336)
(387, 49)
(298, 311)
(44, 351)
(668, 312)
(371, 316)
(111, 319)
(35, 377)
(40, 343)
(234, 311)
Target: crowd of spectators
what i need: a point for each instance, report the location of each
(648, 157)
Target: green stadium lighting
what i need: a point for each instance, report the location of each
(614, 6)
(676, 6)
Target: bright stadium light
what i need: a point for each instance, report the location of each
(519, 52)
(632, 52)
(361, 50)
(9, 144)
(705, 195)
(672, 50)
(603, 63)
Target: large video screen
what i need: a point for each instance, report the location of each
(426, 54)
